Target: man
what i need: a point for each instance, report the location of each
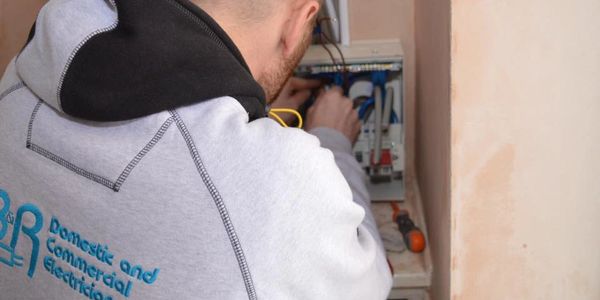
(136, 160)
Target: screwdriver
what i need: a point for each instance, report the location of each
(412, 235)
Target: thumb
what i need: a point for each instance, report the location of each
(336, 89)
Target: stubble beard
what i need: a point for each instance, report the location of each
(273, 81)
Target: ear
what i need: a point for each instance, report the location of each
(301, 20)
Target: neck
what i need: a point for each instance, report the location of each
(246, 43)
(245, 40)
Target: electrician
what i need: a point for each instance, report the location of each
(141, 126)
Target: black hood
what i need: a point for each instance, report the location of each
(163, 54)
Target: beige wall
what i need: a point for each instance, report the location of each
(16, 18)
(433, 132)
(526, 149)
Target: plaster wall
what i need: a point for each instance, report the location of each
(16, 18)
(433, 132)
(525, 149)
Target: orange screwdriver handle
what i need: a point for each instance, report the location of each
(412, 235)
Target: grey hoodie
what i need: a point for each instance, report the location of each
(110, 197)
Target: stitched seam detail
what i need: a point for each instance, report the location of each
(233, 238)
(135, 161)
(115, 186)
(74, 53)
(30, 125)
(12, 89)
(57, 159)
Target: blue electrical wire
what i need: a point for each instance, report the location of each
(379, 78)
(394, 118)
(363, 107)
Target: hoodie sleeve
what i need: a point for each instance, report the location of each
(341, 147)
(306, 230)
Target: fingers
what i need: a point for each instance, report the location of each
(334, 93)
(334, 110)
(300, 97)
(320, 93)
(336, 90)
(333, 90)
(310, 112)
(298, 83)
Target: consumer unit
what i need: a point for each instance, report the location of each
(371, 76)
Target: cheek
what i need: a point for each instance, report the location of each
(272, 79)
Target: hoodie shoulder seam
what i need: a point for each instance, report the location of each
(113, 185)
(136, 160)
(11, 89)
(222, 208)
(56, 158)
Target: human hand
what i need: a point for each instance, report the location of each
(295, 92)
(333, 110)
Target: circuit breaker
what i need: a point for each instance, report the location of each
(372, 77)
